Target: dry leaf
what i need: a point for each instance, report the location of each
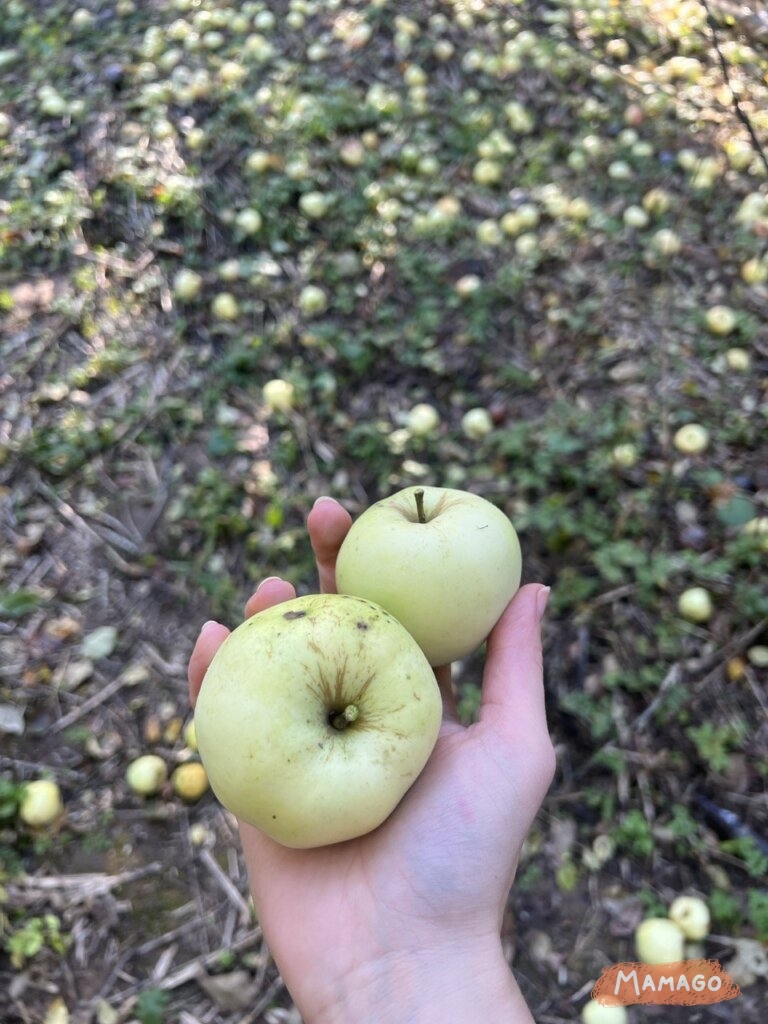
(100, 643)
(750, 962)
(11, 720)
(230, 992)
(73, 674)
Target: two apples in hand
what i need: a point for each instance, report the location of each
(317, 715)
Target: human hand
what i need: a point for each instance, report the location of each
(404, 923)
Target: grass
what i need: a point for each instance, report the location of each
(531, 208)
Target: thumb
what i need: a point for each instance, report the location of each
(513, 682)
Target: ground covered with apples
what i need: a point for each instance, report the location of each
(256, 252)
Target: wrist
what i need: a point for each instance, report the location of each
(467, 982)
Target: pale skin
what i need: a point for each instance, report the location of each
(404, 924)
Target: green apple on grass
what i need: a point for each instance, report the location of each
(444, 562)
(315, 717)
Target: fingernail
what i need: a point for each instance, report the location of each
(322, 500)
(269, 579)
(207, 625)
(541, 602)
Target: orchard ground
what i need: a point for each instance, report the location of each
(529, 209)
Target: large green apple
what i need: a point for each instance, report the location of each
(444, 562)
(315, 717)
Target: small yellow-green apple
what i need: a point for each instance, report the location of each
(41, 803)
(476, 423)
(691, 439)
(657, 201)
(189, 781)
(738, 360)
(315, 717)
(147, 774)
(666, 242)
(278, 395)
(755, 270)
(487, 172)
(636, 217)
(190, 735)
(444, 562)
(659, 941)
(467, 285)
(624, 456)
(315, 204)
(757, 529)
(225, 306)
(695, 604)
(249, 221)
(422, 419)
(187, 285)
(758, 655)
(599, 1013)
(352, 152)
(721, 320)
(312, 300)
(691, 914)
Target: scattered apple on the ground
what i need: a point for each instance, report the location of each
(691, 439)
(312, 300)
(659, 941)
(721, 320)
(624, 456)
(476, 423)
(597, 1013)
(422, 419)
(695, 604)
(691, 914)
(738, 360)
(278, 395)
(190, 735)
(315, 717)
(189, 781)
(225, 307)
(147, 774)
(187, 284)
(41, 803)
(444, 562)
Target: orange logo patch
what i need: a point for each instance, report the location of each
(684, 983)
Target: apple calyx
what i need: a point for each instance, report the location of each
(418, 495)
(341, 719)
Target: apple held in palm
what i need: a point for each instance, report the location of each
(315, 717)
(444, 562)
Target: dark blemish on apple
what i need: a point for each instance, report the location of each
(363, 625)
(294, 615)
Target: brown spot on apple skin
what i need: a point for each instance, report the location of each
(290, 616)
(363, 625)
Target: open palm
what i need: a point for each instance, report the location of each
(441, 866)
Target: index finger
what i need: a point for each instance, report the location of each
(328, 524)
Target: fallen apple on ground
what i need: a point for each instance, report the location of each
(315, 717)
(147, 774)
(189, 781)
(659, 941)
(444, 562)
(691, 914)
(41, 803)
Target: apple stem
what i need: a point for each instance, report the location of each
(418, 494)
(344, 718)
